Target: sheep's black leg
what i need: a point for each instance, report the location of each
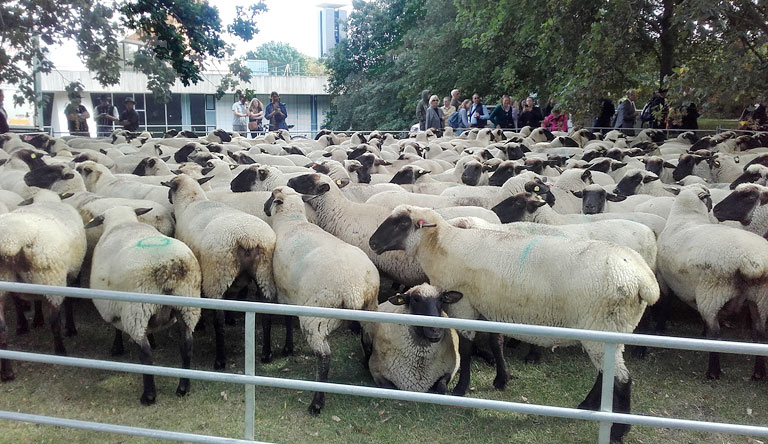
(482, 353)
(534, 355)
(644, 327)
(622, 392)
(218, 328)
(6, 370)
(713, 370)
(38, 320)
(465, 353)
(266, 330)
(367, 348)
(117, 344)
(441, 385)
(69, 318)
(592, 401)
(512, 342)
(496, 342)
(288, 347)
(321, 375)
(54, 318)
(151, 340)
(758, 335)
(145, 357)
(185, 335)
(22, 327)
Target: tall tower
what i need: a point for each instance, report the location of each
(333, 27)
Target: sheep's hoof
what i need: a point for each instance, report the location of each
(640, 352)
(500, 381)
(7, 376)
(182, 389)
(266, 358)
(219, 364)
(714, 374)
(70, 331)
(758, 375)
(315, 409)
(459, 392)
(287, 351)
(147, 399)
(22, 330)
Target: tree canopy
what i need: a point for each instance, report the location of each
(712, 52)
(180, 36)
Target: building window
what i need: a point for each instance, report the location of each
(173, 110)
(197, 107)
(210, 102)
(47, 108)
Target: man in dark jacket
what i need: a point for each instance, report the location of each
(421, 110)
(659, 109)
(3, 116)
(531, 115)
(129, 118)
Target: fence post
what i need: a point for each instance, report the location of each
(606, 401)
(250, 370)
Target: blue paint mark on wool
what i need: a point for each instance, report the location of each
(527, 250)
(153, 242)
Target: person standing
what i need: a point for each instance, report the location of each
(626, 114)
(455, 102)
(435, 119)
(505, 115)
(659, 109)
(104, 111)
(691, 117)
(240, 120)
(4, 128)
(550, 106)
(478, 113)
(77, 117)
(129, 119)
(255, 114)
(531, 115)
(447, 108)
(556, 120)
(421, 110)
(603, 121)
(276, 113)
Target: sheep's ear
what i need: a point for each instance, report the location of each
(615, 197)
(421, 223)
(648, 179)
(95, 222)
(63, 196)
(673, 190)
(25, 202)
(232, 166)
(450, 297)
(204, 179)
(2, 161)
(158, 150)
(381, 162)
(103, 151)
(177, 172)
(763, 198)
(169, 184)
(324, 188)
(616, 165)
(399, 299)
(206, 170)
(586, 175)
(140, 211)
(669, 165)
(579, 194)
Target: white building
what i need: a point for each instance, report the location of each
(333, 27)
(192, 107)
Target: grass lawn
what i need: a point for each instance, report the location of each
(667, 383)
(713, 124)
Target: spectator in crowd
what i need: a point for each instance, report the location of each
(749, 109)
(603, 121)
(77, 116)
(659, 109)
(505, 115)
(129, 119)
(463, 113)
(626, 114)
(455, 98)
(557, 120)
(435, 119)
(691, 117)
(478, 113)
(4, 128)
(421, 110)
(447, 108)
(240, 120)
(759, 115)
(550, 105)
(104, 111)
(255, 115)
(276, 113)
(531, 115)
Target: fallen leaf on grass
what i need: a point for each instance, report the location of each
(223, 395)
(749, 412)
(524, 398)
(753, 441)
(335, 418)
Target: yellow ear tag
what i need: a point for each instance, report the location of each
(536, 188)
(33, 155)
(338, 181)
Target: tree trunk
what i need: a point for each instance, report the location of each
(667, 41)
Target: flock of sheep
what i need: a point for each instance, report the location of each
(572, 230)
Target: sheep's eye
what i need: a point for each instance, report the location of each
(209, 164)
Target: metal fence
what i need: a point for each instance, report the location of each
(604, 416)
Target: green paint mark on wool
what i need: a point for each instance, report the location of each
(153, 242)
(527, 250)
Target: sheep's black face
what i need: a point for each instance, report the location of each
(655, 166)
(471, 174)
(32, 159)
(591, 155)
(602, 166)
(739, 206)
(426, 305)
(310, 184)
(320, 168)
(243, 181)
(502, 174)
(182, 155)
(593, 201)
(223, 135)
(684, 167)
(615, 154)
(391, 234)
(746, 177)
(363, 175)
(515, 152)
(513, 209)
(404, 177)
(141, 168)
(568, 142)
(628, 184)
(46, 176)
(761, 159)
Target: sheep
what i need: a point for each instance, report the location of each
(226, 242)
(132, 256)
(306, 263)
(520, 207)
(755, 173)
(637, 181)
(714, 268)
(261, 178)
(390, 199)
(354, 223)
(595, 199)
(569, 181)
(411, 357)
(99, 179)
(498, 286)
(745, 205)
(42, 243)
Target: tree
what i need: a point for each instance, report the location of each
(278, 55)
(180, 36)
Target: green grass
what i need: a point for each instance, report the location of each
(713, 124)
(668, 383)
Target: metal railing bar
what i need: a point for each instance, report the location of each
(250, 370)
(606, 399)
(123, 430)
(375, 392)
(395, 318)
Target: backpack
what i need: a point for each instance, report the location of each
(646, 115)
(455, 120)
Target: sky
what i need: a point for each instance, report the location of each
(291, 21)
